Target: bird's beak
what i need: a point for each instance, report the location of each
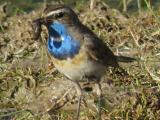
(37, 27)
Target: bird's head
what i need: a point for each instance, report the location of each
(55, 13)
(60, 13)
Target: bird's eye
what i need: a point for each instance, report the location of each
(59, 15)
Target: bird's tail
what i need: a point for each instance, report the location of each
(125, 59)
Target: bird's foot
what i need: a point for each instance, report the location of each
(99, 94)
(79, 94)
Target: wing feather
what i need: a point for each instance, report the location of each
(97, 49)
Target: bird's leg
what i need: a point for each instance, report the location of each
(79, 93)
(99, 94)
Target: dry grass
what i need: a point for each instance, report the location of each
(30, 86)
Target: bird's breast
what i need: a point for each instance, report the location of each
(78, 67)
(70, 56)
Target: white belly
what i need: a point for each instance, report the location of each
(78, 71)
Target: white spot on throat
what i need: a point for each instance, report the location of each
(62, 38)
(52, 39)
(58, 39)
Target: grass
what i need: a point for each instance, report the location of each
(30, 86)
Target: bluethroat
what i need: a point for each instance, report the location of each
(75, 50)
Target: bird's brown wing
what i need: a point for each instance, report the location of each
(100, 52)
(97, 49)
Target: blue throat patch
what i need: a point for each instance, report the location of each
(60, 43)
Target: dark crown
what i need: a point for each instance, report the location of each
(59, 12)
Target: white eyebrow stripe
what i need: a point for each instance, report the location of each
(55, 12)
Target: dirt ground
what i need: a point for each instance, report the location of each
(31, 88)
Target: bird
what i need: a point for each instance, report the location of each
(75, 50)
